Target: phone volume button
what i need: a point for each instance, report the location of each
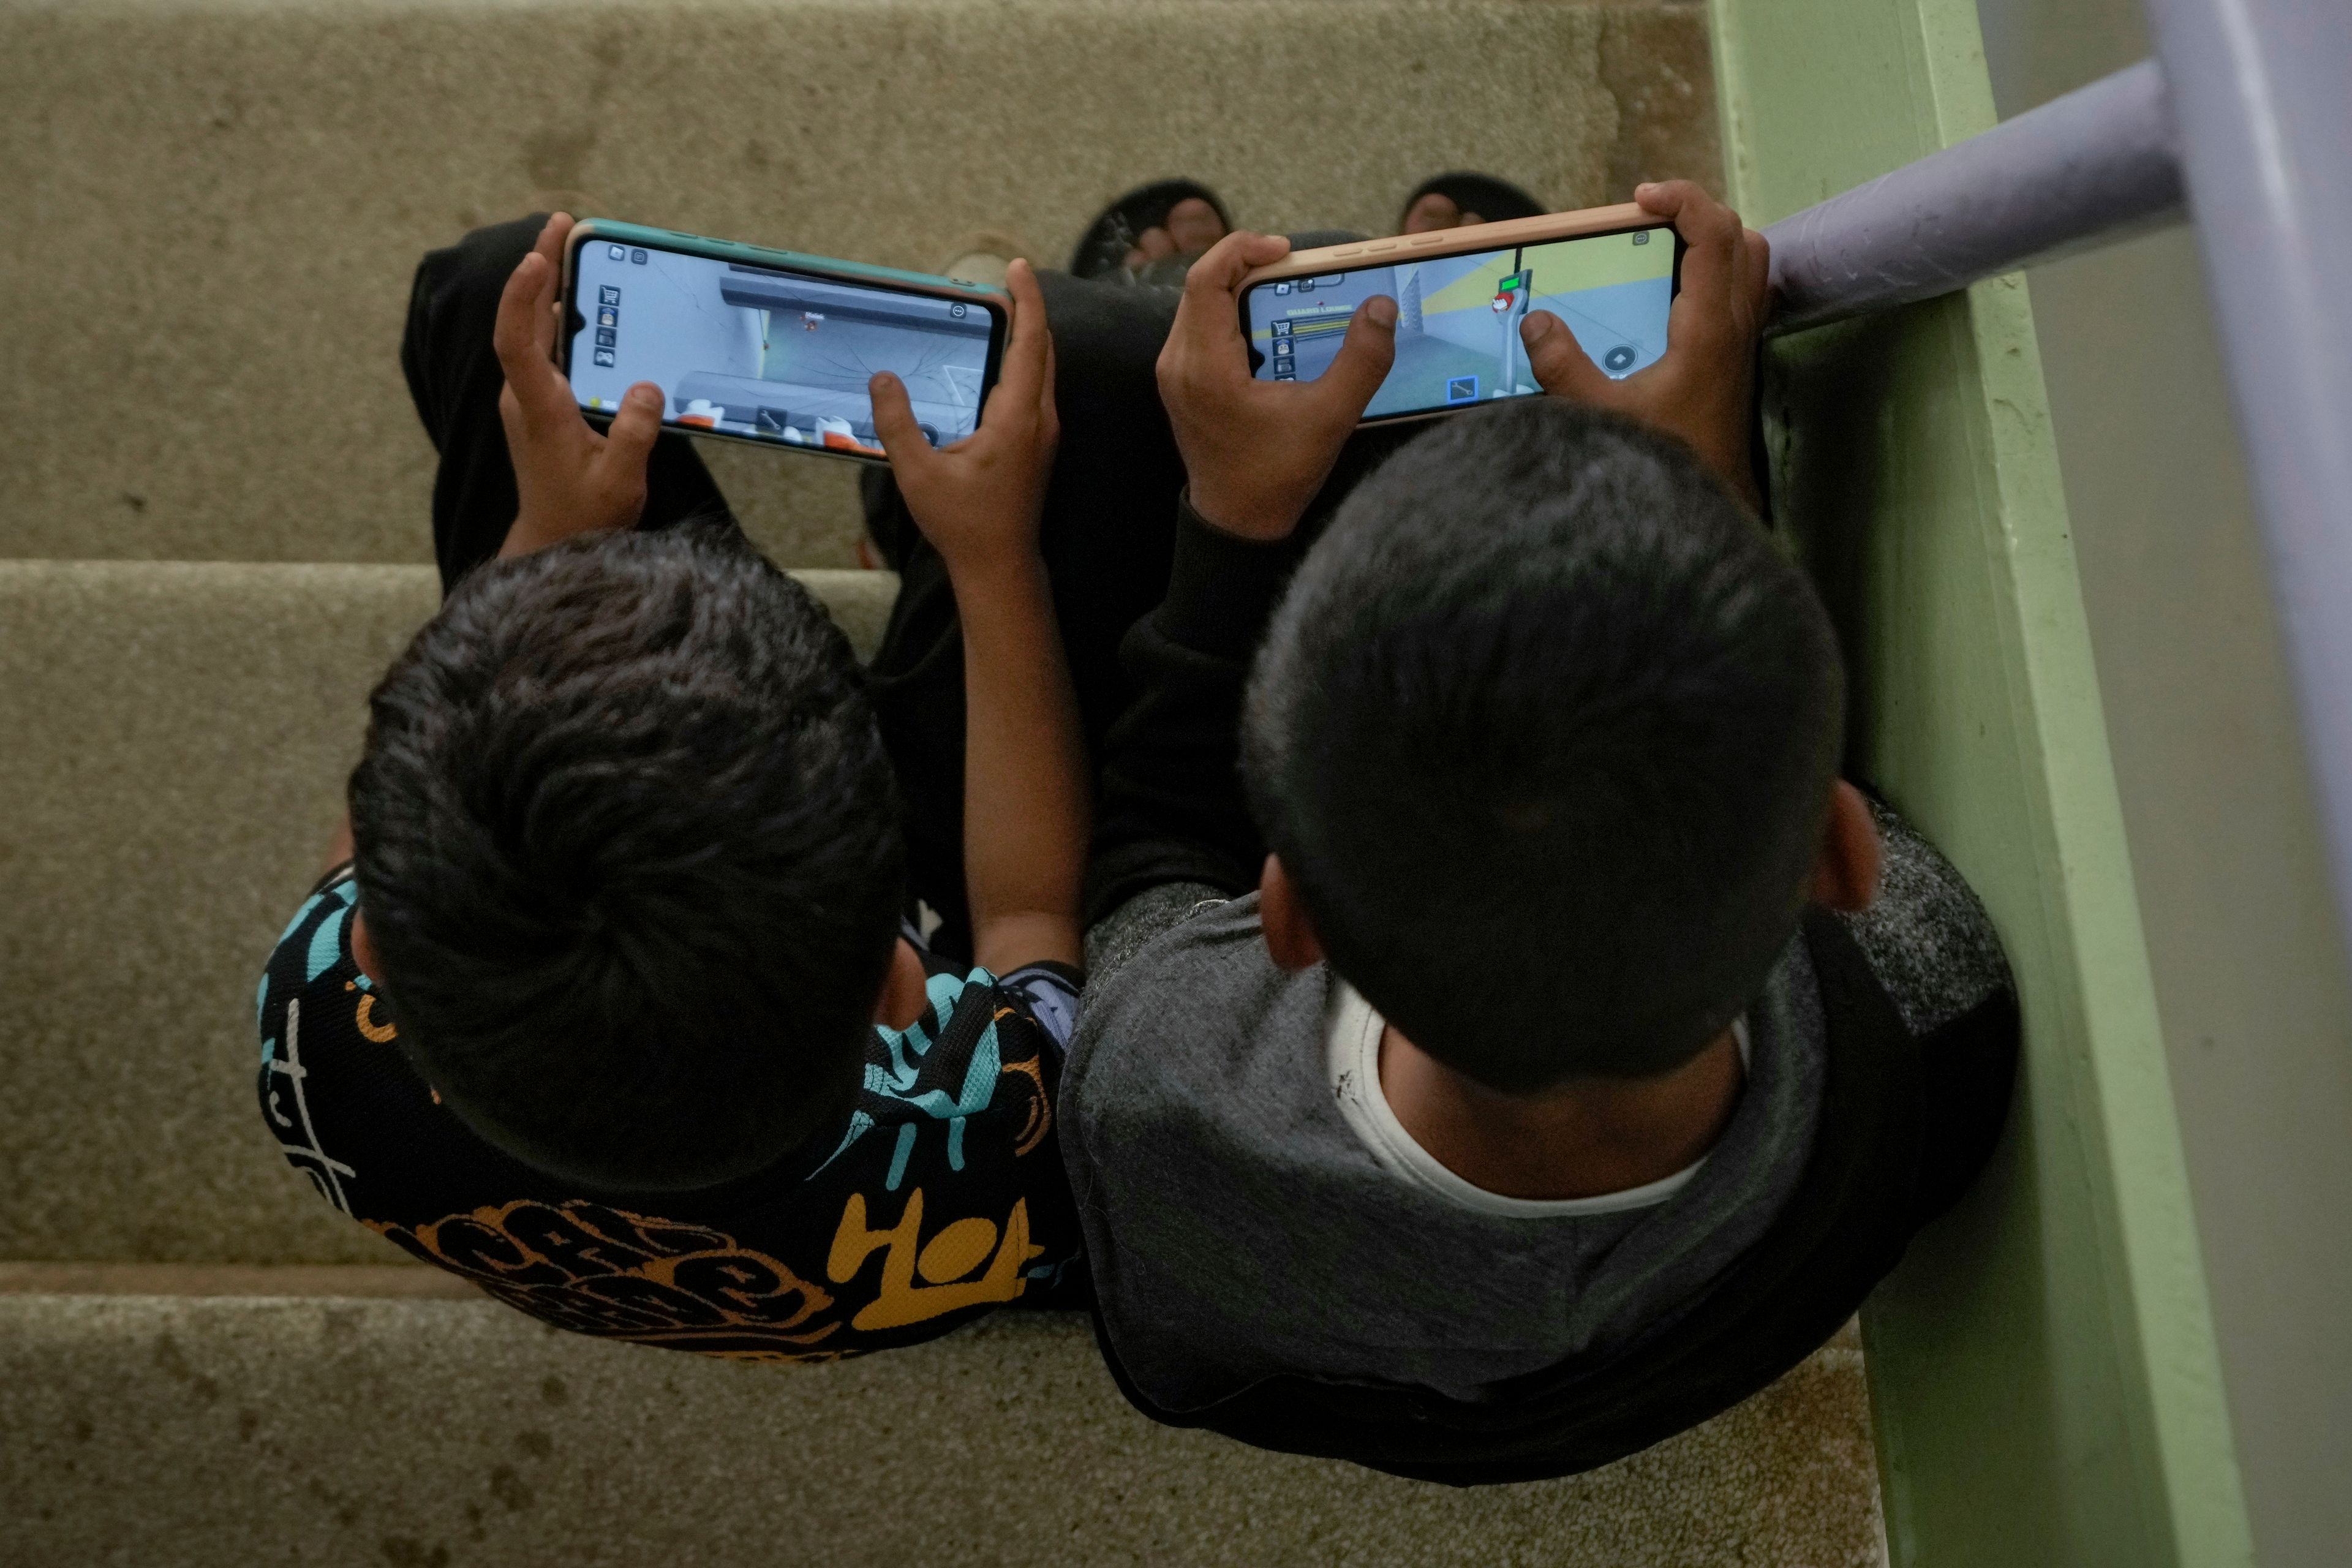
(1386, 245)
(1350, 250)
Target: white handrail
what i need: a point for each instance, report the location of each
(2081, 170)
(2259, 91)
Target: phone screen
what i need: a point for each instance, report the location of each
(1457, 339)
(770, 354)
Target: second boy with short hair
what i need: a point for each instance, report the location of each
(1556, 1073)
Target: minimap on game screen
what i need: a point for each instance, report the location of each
(752, 351)
(1457, 339)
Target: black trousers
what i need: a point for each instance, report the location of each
(1109, 531)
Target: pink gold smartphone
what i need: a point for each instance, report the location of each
(1609, 273)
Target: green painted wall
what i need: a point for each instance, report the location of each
(2226, 841)
(2043, 1366)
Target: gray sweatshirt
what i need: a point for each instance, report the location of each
(1246, 1215)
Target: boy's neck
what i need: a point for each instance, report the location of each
(1593, 1137)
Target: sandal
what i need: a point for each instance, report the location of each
(1113, 233)
(1493, 200)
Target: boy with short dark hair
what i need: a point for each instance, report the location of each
(1509, 676)
(621, 810)
(1558, 1073)
(611, 1011)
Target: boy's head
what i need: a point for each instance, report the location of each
(628, 855)
(1544, 737)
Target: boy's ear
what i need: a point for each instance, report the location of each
(364, 949)
(905, 990)
(1289, 934)
(1846, 876)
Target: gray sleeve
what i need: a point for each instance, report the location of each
(1121, 934)
(1926, 937)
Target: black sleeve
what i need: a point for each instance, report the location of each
(1172, 808)
(1931, 946)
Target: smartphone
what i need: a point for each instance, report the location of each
(770, 346)
(1609, 273)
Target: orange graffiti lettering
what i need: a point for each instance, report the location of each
(900, 1301)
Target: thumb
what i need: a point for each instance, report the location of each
(1365, 355)
(894, 418)
(629, 440)
(1560, 364)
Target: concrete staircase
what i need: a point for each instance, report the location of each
(212, 525)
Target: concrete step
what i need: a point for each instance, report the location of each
(202, 1363)
(174, 740)
(293, 1420)
(214, 205)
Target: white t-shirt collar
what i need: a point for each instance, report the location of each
(1352, 1058)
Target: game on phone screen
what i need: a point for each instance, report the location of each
(1457, 334)
(750, 351)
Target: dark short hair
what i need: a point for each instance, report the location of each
(1544, 733)
(627, 848)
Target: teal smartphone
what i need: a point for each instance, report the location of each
(771, 346)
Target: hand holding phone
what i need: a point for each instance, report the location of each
(1462, 296)
(979, 500)
(1257, 451)
(569, 478)
(1703, 388)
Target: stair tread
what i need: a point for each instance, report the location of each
(230, 195)
(367, 1430)
(373, 1281)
